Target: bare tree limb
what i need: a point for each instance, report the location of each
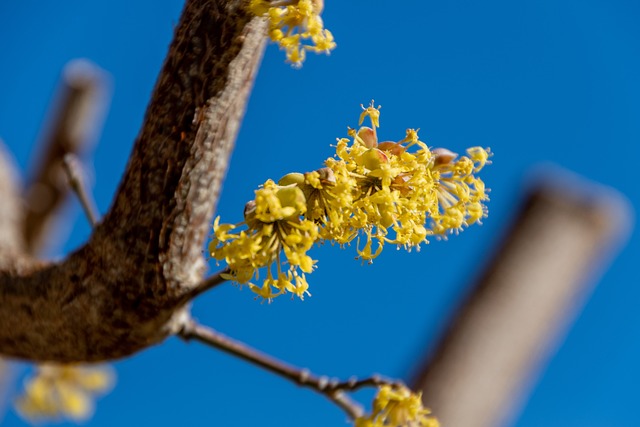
(123, 291)
(328, 387)
(566, 231)
(207, 284)
(11, 240)
(75, 122)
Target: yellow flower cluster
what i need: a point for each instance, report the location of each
(405, 192)
(63, 391)
(291, 23)
(275, 225)
(387, 192)
(397, 406)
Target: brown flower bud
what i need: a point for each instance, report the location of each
(442, 156)
(326, 176)
(367, 136)
(392, 147)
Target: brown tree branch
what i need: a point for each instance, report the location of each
(331, 388)
(76, 120)
(123, 290)
(207, 284)
(501, 336)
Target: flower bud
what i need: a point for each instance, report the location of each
(387, 218)
(367, 136)
(291, 178)
(392, 147)
(443, 156)
(249, 210)
(327, 176)
(292, 200)
(372, 159)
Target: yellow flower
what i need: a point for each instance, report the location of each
(386, 192)
(461, 195)
(63, 391)
(403, 191)
(371, 112)
(275, 225)
(397, 406)
(394, 188)
(296, 26)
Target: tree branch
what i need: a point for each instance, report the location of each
(505, 330)
(75, 122)
(11, 240)
(207, 284)
(328, 387)
(123, 290)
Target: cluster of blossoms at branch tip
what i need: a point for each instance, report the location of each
(376, 193)
(63, 391)
(296, 26)
(397, 406)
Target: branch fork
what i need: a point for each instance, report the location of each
(128, 287)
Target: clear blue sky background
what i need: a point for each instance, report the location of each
(537, 81)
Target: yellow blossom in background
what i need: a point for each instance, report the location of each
(296, 26)
(63, 391)
(397, 406)
(376, 193)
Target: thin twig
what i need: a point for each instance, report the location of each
(353, 384)
(207, 284)
(331, 388)
(73, 170)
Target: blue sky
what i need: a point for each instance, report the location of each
(536, 81)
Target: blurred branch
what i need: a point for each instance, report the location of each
(76, 121)
(566, 232)
(10, 209)
(331, 388)
(11, 242)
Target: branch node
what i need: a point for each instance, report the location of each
(73, 170)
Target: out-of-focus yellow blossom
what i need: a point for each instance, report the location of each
(375, 192)
(296, 26)
(63, 391)
(274, 225)
(397, 406)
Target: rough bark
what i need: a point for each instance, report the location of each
(124, 290)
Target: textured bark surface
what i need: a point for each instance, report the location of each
(124, 290)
